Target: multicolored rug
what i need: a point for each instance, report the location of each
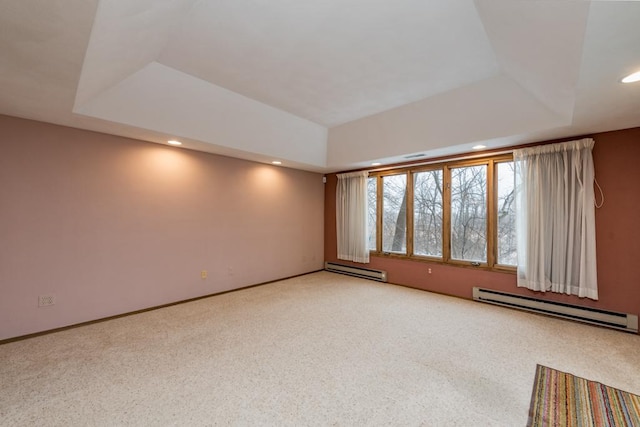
(561, 399)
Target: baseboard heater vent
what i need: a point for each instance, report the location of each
(365, 273)
(610, 319)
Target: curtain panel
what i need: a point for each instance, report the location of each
(351, 216)
(555, 218)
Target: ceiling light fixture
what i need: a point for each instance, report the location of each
(376, 164)
(174, 142)
(631, 78)
(276, 162)
(479, 147)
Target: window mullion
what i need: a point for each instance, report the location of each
(492, 222)
(409, 213)
(446, 214)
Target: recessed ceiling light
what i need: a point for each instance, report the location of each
(631, 78)
(174, 142)
(479, 147)
(276, 162)
(376, 164)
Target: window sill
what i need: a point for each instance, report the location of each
(463, 264)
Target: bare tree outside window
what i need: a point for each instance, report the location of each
(394, 213)
(469, 213)
(446, 214)
(507, 254)
(427, 213)
(372, 196)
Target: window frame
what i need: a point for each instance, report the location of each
(496, 265)
(446, 167)
(447, 207)
(380, 211)
(412, 172)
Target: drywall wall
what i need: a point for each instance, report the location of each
(616, 156)
(110, 225)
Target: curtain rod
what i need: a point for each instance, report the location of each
(433, 162)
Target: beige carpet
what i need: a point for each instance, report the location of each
(321, 349)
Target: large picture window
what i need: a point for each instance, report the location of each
(457, 212)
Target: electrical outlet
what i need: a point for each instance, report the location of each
(203, 274)
(46, 300)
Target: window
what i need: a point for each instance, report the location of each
(506, 214)
(458, 212)
(394, 213)
(427, 213)
(469, 213)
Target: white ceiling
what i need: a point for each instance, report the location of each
(323, 85)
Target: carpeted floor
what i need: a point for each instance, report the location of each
(320, 349)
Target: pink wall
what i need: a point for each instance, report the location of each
(111, 225)
(616, 156)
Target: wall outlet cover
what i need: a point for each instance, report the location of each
(46, 300)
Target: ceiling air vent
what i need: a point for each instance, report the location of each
(414, 156)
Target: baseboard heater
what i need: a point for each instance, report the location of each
(610, 319)
(365, 273)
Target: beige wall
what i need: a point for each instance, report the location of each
(110, 225)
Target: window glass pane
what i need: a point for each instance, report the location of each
(394, 213)
(372, 196)
(469, 213)
(506, 214)
(427, 213)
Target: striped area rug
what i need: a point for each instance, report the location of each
(561, 399)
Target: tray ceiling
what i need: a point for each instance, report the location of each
(324, 84)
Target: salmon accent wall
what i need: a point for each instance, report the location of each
(617, 165)
(110, 225)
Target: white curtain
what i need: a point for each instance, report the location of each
(555, 218)
(351, 216)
